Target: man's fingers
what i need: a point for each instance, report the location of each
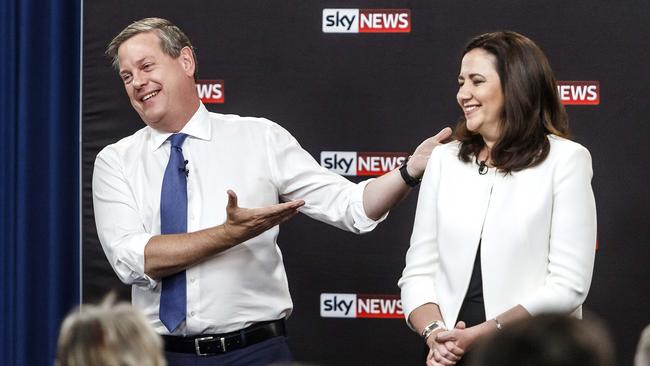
(460, 325)
(232, 199)
(443, 135)
(279, 209)
(268, 217)
(296, 204)
(285, 216)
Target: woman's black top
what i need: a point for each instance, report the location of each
(472, 311)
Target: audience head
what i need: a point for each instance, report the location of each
(108, 335)
(547, 340)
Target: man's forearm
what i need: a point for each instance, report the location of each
(384, 193)
(165, 255)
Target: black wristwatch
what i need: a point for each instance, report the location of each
(410, 181)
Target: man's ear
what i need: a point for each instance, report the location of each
(187, 61)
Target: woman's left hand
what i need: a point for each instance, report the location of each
(463, 337)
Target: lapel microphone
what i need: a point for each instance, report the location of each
(184, 169)
(482, 167)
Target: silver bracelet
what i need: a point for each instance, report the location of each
(436, 324)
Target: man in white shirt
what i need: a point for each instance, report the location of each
(234, 279)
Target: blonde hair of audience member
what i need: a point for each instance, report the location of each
(108, 335)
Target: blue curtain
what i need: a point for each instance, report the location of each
(39, 196)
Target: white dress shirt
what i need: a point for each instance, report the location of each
(537, 229)
(257, 159)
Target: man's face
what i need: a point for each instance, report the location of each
(161, 88)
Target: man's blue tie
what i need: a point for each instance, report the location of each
(173, 220)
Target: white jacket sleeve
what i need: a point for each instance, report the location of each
(572, 241)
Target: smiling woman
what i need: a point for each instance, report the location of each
(505, 225)
(513, 89)
(480, 94)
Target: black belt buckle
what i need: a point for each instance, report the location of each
(197, 345)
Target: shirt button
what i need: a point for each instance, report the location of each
(192, 280)
(192, 313)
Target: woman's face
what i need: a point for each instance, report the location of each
(479, 93)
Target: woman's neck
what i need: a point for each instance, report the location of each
(486, 152)
(485, 155)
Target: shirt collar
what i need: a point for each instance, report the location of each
(198, 127)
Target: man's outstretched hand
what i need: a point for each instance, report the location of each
(245, 223)
(418, 161)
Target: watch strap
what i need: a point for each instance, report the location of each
(408, 179)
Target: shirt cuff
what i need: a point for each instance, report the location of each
(361, 221)
(129, 262)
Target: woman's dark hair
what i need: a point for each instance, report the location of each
(532, 108)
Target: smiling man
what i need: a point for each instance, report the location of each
(207, 273)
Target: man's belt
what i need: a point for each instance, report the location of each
(213, 344)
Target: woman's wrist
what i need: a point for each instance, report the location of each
(431, 339)
(498, 324)
(485, 328)
(432, 327)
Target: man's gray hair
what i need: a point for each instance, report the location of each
(172, 39)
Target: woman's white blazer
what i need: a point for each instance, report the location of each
(537, 229)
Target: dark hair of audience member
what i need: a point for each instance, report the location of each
(547, 340)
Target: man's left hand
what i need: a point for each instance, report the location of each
(418, 161)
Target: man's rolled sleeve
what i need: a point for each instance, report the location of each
(329, 197)
(126, 256)
(119, 226)
(362, 222)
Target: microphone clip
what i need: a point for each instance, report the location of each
(482, 168)
(184, 169)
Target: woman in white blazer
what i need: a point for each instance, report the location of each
(505, 226)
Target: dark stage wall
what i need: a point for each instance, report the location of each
(384, 93)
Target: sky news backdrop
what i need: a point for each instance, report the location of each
(360, 84)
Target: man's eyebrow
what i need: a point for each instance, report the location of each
(137, 62)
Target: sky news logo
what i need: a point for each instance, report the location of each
(210, 91)
(354, 163)
(366, 20)
(579, 92)
(360, 306)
